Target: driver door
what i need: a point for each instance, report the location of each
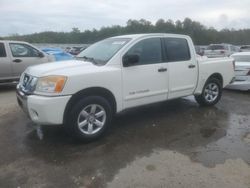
(146, 81)
(23, 56)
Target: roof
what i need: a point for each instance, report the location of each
(135, 36)
(13, 41)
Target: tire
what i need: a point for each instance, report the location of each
(89, 118)
(211, 93)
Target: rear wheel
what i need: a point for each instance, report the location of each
(89, 118)
(211, 93)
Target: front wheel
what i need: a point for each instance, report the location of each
(89, 118)
(211, 93)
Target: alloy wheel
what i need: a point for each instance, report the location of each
(91, 119)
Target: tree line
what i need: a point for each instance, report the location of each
(200, 34)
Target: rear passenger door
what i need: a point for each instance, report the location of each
(183, 68)
(5, 65)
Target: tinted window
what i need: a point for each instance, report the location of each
(177, 49)
(2, 50)
(148, 50)
(23, 50)
(245, 47)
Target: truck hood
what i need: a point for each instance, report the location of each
(60, 68)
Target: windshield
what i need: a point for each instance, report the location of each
(101, 52)
(241, 58)
(216, 47)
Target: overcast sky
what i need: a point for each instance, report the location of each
(29, 16)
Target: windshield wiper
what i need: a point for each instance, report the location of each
(91, 59)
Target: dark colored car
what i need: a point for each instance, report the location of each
(76, 50)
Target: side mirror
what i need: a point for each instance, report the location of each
(129, 60)
(40, 54)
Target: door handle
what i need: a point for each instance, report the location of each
(191, 66)
(17, 60)
(162, 69)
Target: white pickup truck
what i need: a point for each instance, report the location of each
(16, 56)
(116, 74)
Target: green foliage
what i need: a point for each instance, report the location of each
(199, 33)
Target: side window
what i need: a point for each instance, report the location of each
(23, 50)
(177, 49)
(2, 50)
(148, 50)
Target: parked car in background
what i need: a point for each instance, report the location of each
(245, 48)
(220, 50)
(16, 56)
(200, 50)
(76, 50)
(58, 54)
(67, 49)
(242, 71)
(116, 74)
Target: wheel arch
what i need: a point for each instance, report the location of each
(93, 91)
(205, 79)
(217, 76)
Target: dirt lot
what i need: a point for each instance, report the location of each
(172, 144)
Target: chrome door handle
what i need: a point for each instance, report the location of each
(17, 60)
(162, 69)
(191, 66)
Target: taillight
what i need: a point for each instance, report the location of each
(234, 64)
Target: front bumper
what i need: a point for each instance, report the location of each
(43, 110)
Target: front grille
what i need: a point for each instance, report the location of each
(28, 83)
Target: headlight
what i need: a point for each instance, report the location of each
(51, 84)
